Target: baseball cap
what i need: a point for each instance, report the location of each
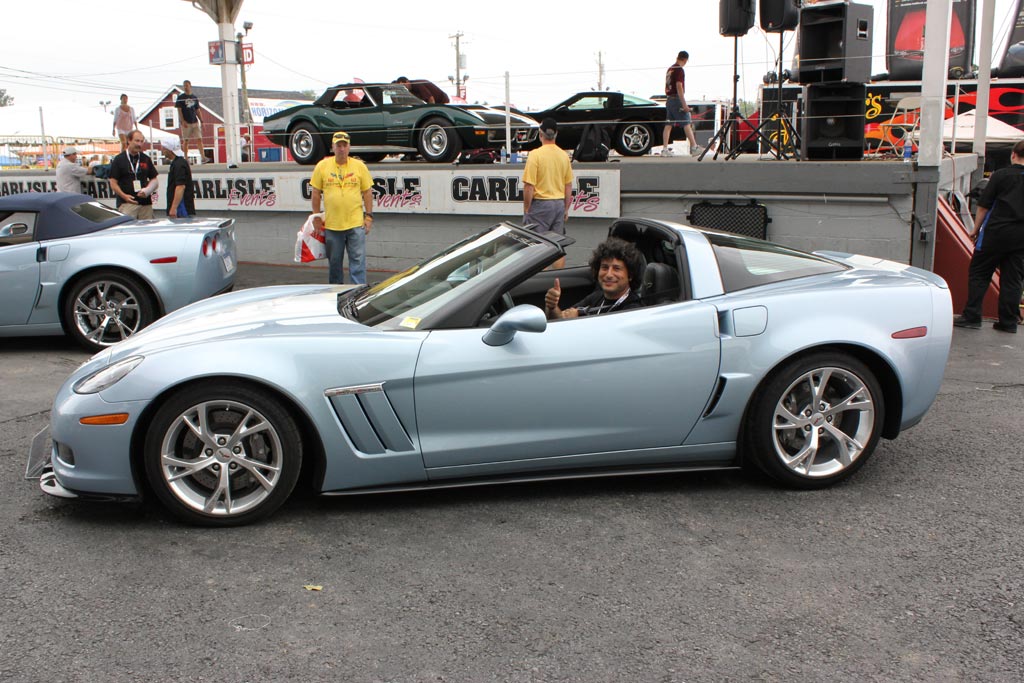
(69, 151)
(549, 126)
(340, 136)
(172, 145)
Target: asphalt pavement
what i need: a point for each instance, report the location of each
(910, 571)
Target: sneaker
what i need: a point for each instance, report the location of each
(961, 321)
(1012, 329)
(696, 151)
(667, 152)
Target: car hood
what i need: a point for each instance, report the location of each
(495, 116)
(262, 311)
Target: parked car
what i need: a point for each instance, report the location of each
(636, 123)
(449, 374)
(69, 264)
(385, 118)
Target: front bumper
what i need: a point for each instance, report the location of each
(41, 456)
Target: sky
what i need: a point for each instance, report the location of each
(77, 52)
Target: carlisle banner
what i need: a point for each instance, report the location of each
(1013, 58)
(904, 54)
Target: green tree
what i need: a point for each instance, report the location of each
(310, 94)
(5, 99)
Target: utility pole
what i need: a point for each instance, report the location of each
(460, 63)
(600, 72)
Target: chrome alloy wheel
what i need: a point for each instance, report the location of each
(434, 138)
(106, 312)
(636, 138)
(221, 458)
(823, 422)
(302, 143)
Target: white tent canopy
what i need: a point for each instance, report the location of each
(65, 123)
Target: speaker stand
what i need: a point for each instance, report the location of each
(785, 137)
(730, 126)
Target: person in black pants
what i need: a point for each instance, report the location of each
(999, 243)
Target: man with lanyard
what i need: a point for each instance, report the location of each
(133, 179)
(676, 108)
(616, 266)
(344, 183)
(999, 236)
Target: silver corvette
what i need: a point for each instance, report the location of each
(69, 264)
(449, 374)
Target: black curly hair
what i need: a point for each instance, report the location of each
(613, 247)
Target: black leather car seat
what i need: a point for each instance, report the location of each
(661, 284)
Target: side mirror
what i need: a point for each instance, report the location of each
(522, 318)
(14, 230)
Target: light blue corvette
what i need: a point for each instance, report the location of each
(69, 264)
(449, 374)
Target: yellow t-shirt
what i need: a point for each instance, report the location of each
(343, 188)
(548, 170)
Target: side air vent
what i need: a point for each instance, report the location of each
(369, 419)
(715, 398)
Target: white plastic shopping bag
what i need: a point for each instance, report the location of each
(309, 242)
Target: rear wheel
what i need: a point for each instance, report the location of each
(105, 307)
(633, 139)
(306, 145)
(222, 454)
(438, 141)
(816, 421)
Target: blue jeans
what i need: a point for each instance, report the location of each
(337, 241)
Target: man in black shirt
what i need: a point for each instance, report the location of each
(616, 266)
(133, 179)
(999, 235)
(180, 195)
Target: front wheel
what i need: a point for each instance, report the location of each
(633, 139)
(306, 145)
(105, 307)
(222, 454)
(816, 421)
(438, 141)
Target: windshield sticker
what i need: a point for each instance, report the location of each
(411, 322)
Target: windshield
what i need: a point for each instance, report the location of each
(405, 300)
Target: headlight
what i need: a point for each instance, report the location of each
(107, 377)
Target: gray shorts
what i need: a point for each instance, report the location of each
(548, 215)
(675, 114)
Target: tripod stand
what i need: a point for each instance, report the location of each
(785, 138)
(730, 126)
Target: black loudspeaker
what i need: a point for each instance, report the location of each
(834, 40)
(833, 124)
(735, 17)
(779, 15)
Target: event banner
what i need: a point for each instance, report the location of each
(904, 54)
(482, 190)
(1012, 64)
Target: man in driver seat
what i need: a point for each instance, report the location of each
(616, 266)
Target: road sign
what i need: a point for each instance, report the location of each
(247, 53)
(216, 52)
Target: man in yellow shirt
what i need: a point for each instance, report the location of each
(344, 183)
(547, 185)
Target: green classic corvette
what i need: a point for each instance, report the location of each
(385, 118)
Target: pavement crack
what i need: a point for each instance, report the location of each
(24, 417)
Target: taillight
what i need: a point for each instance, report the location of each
(206, 246)
(209, 245)
(213, 245)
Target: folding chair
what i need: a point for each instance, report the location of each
(901, 126)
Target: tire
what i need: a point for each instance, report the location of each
(437, 140)
(207, 473)
(105, 307)
(633, 139)
(306, 144)
(816, 421)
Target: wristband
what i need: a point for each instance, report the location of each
(368, 215)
